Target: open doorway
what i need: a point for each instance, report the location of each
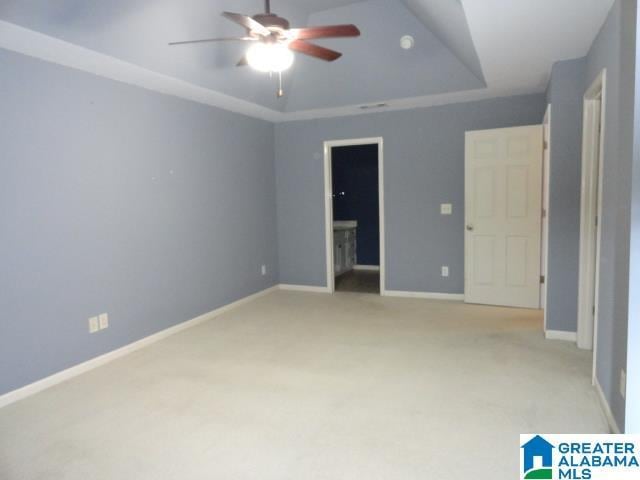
(591, 213)
(354, 215)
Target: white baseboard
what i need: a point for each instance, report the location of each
(606, 409)
(303, 288)
(561, 335)
(56, 378)
(453, 297)
(367, 268)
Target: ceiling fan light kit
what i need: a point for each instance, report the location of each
(274, 41)
(269, 57)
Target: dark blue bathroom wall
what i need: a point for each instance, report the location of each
(355, 190)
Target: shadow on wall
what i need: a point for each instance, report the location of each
(355, 190)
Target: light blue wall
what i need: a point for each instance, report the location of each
(424, 167)
(116, 199)
(614, 49)
(565, 94)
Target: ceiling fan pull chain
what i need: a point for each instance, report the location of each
(280, 89)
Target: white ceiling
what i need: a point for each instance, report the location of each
(509, 46)
(518, 41)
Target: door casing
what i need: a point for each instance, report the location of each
(594, 115)
(328, 204)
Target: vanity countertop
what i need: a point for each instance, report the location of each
(340, 225)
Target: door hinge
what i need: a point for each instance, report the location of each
(597, 220)
(542, 279)
(593, 310)
(544, 213)
(545, 145)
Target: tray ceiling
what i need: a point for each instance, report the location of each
(462, 49)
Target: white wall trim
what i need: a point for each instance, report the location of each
(367, 268)
(560, 335)
(56, 378)
(410, 103)
(303, 288)
(546, 180)
(452, 297)
(38, 45)
(595, 104)
(328, 205)
(606, 409)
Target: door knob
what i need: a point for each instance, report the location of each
(470, 228)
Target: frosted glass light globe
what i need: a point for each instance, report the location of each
(270, 57)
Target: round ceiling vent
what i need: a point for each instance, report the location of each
(407, 42)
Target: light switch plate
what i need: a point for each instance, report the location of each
(445, 271)
(93, 325)
(446, 209)
(264, 269)
(103, 321)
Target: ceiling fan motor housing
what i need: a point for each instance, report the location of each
(272, 21)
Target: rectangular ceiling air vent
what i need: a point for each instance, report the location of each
(373, 105)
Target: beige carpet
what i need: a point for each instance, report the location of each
(311, 386)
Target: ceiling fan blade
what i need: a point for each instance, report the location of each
(224, 39)
(248, 23)
(328, 31)
(314, 50)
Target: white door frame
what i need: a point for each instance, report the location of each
(328, 204)
(591, 213)
(546, 177)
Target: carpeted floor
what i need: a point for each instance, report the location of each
(312, 386)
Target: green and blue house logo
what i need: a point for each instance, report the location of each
(537, 459)
(579, 457)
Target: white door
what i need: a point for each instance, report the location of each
(503, 209)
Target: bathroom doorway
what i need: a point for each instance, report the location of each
(354, 223)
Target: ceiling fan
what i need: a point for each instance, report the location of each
(274, 41)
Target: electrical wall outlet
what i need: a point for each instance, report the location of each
(93, 325)
(623, 383)
(445, 271)
(103, 321)
(446, 209)
(264, 270)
